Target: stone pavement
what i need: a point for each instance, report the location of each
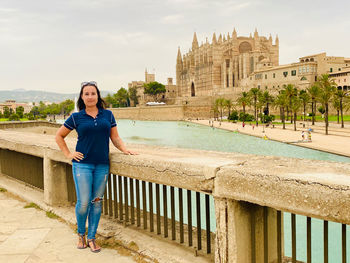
(337, 142)
(28, 235)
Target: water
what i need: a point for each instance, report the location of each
(194, 136)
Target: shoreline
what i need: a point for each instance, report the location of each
(334, 144)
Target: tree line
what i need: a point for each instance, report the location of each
(290, 101)
(38, 112)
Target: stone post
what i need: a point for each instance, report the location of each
(234, 239)
(55, 182)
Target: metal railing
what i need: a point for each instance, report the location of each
(298, 242)
(161, 209)
(24, 167)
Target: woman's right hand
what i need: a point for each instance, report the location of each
(78, 156)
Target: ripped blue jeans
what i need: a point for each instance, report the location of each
(90, 183)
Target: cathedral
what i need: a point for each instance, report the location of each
(230, 65)
(217, 68)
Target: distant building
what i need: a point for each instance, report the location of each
(342, 78)
(12, 104)
(168, 97)
(301, 74)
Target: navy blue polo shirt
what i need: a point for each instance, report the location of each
(93, 135)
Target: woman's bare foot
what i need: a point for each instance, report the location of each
(81, 242)
(93, 246)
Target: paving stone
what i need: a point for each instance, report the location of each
(13, 258)
(28, 235)
(23, 241)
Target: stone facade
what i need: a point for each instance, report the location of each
(302, 74)
(163, 112)
(233, 64)
(218, 68)
(342, 78)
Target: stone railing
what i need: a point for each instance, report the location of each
(26, 124)
(249, 191)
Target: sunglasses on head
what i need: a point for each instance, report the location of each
(88, 83)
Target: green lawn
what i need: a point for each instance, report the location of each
(334, 118)
(6, 119)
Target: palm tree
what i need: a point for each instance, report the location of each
(268, 99)
(215, 110)
(336, 105)
(313, 91)
(260, 106)
(244, 100)
(327, 89)
(290, 91)
(254, 95)
(341, 95)
(229, 105)
(295, 107)
(220, 105)
(281, 103)
(305, 98)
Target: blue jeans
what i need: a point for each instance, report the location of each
(90, 183)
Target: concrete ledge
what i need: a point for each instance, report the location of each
(308, 187)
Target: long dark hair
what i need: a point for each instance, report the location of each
(101, 104)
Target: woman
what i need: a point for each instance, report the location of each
(90, 160)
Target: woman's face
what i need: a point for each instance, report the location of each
(89, 96)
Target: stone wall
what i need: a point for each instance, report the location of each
(26, 124)
(163, 113)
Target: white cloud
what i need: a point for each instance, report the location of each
(173, 19)
(8, 10)
(123, 39)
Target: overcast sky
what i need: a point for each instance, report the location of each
(53, 45)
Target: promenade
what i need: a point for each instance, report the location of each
(337, 142)
(29, 235)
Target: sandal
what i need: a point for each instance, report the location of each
(81, 242)
(93, 246)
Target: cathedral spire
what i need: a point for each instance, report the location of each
(214, 39)
(194, 42)
(228, 36)
(220, 39)
(270, 39)
(234, 33)
(179, 57)
(277, 42)
(224, 38)
(256, 35)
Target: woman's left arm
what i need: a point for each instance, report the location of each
(118, 143)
